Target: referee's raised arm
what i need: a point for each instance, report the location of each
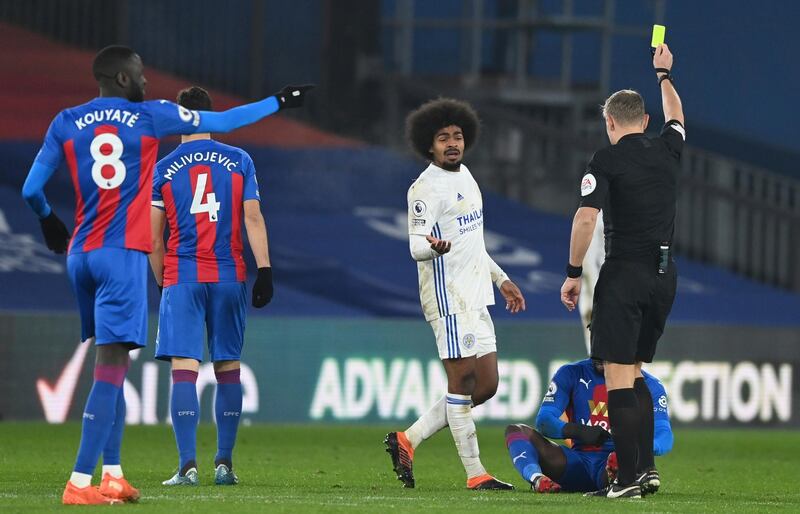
(634, 181)
(671, 102)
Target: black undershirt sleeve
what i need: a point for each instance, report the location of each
(673, 134)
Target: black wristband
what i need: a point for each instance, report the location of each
(574, 271)
(665, 77)
(662, 70)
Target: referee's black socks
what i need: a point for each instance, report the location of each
(623, 413)
(646, 461)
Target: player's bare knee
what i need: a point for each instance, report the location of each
(115, 354)
(223, 366)
(180, 363)
(515, 428)
(461, 384)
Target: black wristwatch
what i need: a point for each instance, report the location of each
(667, 75)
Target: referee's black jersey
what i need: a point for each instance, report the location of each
(635, 184)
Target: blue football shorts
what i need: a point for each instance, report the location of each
(111, 287)
(584, 471)
(191, 310)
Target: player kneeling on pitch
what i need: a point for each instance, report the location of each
(445, 226)
(205, 188)
(579, 391)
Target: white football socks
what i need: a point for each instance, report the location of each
(115, 470)
(462, 426)
(80, 479)
(428, 424)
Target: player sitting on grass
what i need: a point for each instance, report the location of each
(578, 390)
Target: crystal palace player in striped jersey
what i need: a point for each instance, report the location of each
(204, 189)
(110, 145)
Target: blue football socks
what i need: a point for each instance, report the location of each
(99, 415)
(185, 413)
(523, 455)
(228, 409)
(111, 452)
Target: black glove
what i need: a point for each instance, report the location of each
(262, 289)
(591, 435)
(56, 235)
(292, 96)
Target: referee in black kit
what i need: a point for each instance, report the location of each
(634, 182)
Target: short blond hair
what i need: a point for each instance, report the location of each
(625, 106)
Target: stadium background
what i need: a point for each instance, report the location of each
(343, 336)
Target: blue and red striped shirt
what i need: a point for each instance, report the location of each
(110, 145)
(202, 186)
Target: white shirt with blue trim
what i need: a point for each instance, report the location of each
(449, 206)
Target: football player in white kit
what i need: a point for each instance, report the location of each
(595, 257)
(445, 225)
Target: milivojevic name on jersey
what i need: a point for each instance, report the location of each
(198, 157)
(106, 115)
(470, 221)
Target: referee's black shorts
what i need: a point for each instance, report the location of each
(631, 304)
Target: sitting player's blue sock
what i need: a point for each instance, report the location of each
(99, 415)
(185, 412)
(111, 452)
(523, 455)
(228, 409)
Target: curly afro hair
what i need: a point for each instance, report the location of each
(432, 116)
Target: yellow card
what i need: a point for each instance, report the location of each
(658, 35)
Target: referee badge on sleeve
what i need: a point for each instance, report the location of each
(588, 184)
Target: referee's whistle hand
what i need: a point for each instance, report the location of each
(570, 292)
(439, 246)
(515, 302)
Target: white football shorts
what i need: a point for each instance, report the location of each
(465, 334)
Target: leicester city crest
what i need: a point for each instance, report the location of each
(468, 341)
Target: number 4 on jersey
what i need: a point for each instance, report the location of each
(211, 205)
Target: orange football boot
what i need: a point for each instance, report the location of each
(402, 453)
(118, 488)
(487, 482)
(89, 495)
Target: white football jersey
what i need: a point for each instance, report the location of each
(449, 206)
(592, 262)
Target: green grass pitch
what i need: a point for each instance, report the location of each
(337, 468)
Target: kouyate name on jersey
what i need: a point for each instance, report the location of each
(107, 115)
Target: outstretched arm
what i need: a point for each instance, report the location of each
(237, 117)
(671, 102)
